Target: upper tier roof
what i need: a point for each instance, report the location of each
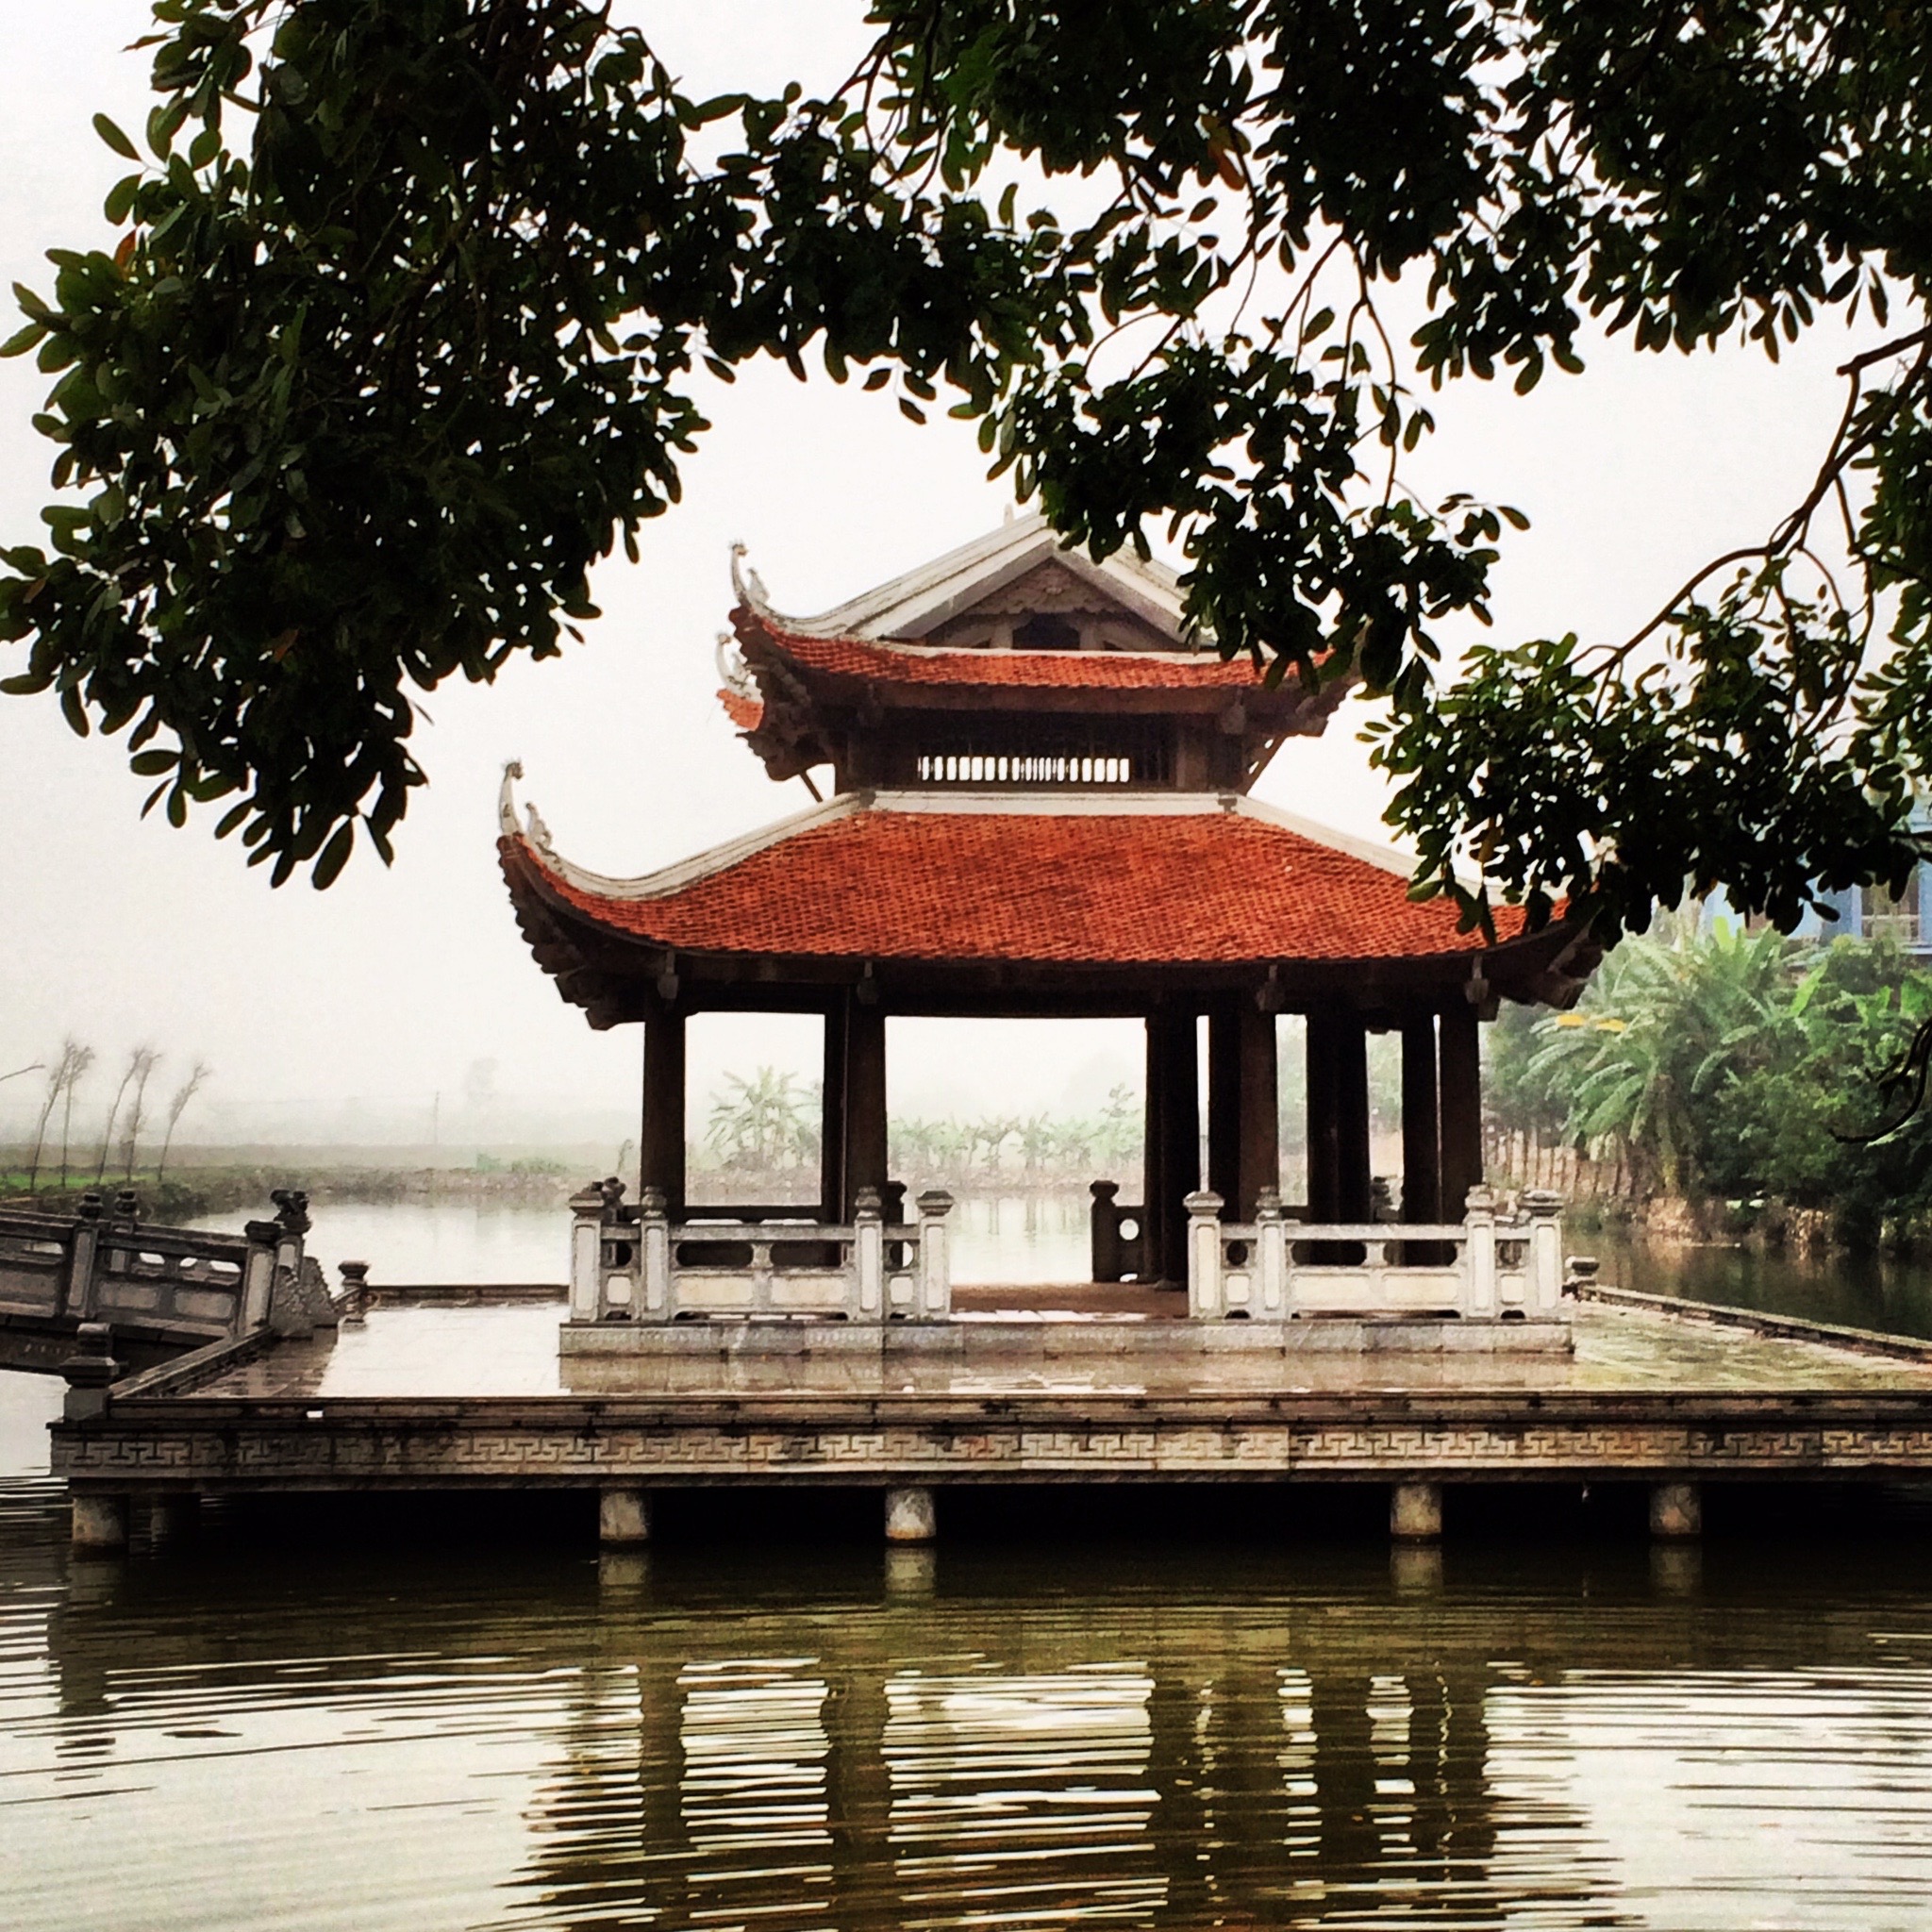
(1032, 651)
(984, 669)
(918, 602)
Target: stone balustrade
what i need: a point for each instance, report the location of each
(160, 1288)
(636, 1264)
(1273, 1268)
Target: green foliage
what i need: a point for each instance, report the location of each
(401, 334)
(1728, 1065)
(764, 1125)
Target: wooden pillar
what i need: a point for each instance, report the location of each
(1173, 1141)
(1225, 1120)
(1258, 1108)
(1462, 1107)
(1339, 1179)
(1422, 1133)
(1352, 1098)
(1153, 1144)
(662, 1164)
(865, 1101)
(1324, 1122)
(1180, 1137)
(832, 1112)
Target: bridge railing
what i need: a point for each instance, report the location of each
(1273, 1268)
(167, 1285)
(636, 1264)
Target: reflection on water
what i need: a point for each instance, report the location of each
(292, 1734)
(1858, 1290)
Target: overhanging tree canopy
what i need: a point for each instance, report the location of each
(403, 331)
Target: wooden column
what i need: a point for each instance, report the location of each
(1180, 1158)
(1352, 1094)
(1462, 1107)
(1324, 1123)
(1153, 1189)
(1225, 1096)
(865, 1101)
(1421, 1132)
(1174, 1140)
(832, 1111)
(662, 1164)
(1259, 1109)
(1339, 1178)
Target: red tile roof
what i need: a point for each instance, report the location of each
(746, 713)
(986, 668)
(1079, 887)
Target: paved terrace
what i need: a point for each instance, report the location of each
(438, 1397)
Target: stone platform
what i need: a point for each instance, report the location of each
(429, 1397)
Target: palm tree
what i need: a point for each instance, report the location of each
(145, 1060)
(197, 1078)
(71, 1063)
(82, 1059)
(114, 1113)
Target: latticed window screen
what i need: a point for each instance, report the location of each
(1113, 758)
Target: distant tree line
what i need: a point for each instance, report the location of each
(1728, 1065)
(131, 1122)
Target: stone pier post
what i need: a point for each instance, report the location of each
(1415, 1512)
(1676, 1511)
(910, 1517)
(624, 1517)
(100, 1521)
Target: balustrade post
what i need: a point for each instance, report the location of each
(1271, 1253)
(355, 1301)
(258, 1274)
(869, 1253)
(1479, 1252)
(586, 1252)
(1206, 1298)
(286, 1312)
(653, 1244)
(82, 1252)
(1105, 1220)
(935, 1255)
(1545, 1210)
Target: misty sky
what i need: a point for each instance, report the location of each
(394, 986)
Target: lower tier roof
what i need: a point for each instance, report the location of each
(1059, 882)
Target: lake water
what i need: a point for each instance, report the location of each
(1115, 1710)
(316, 1723)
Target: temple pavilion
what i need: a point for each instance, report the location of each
(1034, 801)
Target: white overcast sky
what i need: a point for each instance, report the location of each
(392, 986)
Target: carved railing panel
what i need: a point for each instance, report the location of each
(1276, 1270)
(635, 1264)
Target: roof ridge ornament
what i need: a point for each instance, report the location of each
(734, 674)
(748, 585)
(532, 828)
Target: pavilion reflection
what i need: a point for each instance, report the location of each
(987, 1767)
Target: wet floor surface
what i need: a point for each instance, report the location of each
(449, 1353)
